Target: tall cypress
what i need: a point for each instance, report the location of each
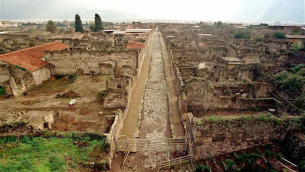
(78, 24)
(98, 23)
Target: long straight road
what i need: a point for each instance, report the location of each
(155, 119)
(150, 100)
(129, 128)
(153, 81)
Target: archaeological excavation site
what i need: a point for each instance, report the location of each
(86, 96)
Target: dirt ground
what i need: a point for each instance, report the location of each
(83, 116)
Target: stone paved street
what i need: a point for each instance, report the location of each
(155, 110)
(155, 120)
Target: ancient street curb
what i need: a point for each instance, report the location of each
(169, 105)
(138, 123)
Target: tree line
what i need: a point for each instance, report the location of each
(94, 27)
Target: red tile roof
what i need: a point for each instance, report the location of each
(135, 45)
(30, 58)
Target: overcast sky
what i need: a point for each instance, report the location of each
(209, 10)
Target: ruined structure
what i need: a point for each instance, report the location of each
(225, 85)
(21, 70)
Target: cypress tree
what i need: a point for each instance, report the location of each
(78, 24)
(98, 23)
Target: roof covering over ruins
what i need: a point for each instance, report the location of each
(135, 45)
(29, 58)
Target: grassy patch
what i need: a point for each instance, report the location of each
(48, 154)
(221, 119)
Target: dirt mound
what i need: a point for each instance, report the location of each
(70, 94)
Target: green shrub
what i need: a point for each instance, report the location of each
(293, 82)
(2, 90)
(279, 35)
(298, 67)
(230, 164)
(282, 75)
(199, 168)
(300, 101)
(296, 46)
(301, 166)
(300, 70)
(206, 169)
(242, 34)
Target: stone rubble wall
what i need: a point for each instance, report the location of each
(69, 62)
(41, 75)
(20, 81)
(4, 74)
(212, 138)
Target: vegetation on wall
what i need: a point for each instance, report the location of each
(296, 46)
(292, 83)
(222, 119)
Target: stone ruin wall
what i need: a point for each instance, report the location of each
(41, 75)
(19, 81)
(212, 138)
(201, 95)
(92, 62)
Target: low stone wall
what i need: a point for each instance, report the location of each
(213, 136)
(69, 62)
(117, 126)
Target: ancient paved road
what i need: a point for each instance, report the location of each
(129, 127)
(155, 120)
(155, 123)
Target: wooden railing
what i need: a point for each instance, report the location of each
(157, 145)
(177, 161)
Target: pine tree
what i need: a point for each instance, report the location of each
(78, 24)
(98, 23)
